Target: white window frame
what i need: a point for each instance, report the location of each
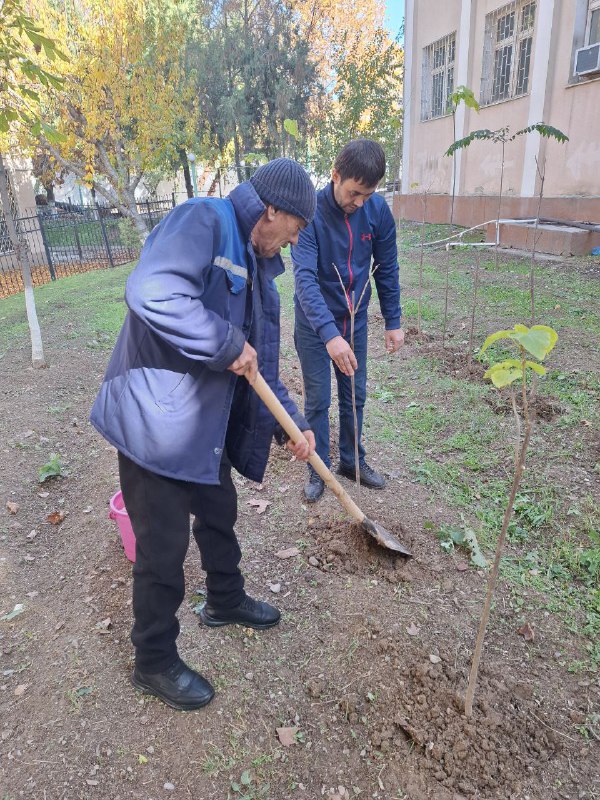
(594, 5)
(439, 64)
(505, 58)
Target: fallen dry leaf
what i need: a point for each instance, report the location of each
(104, 625)
(260, 505)
(412, 629)
(527, 632)
(21, 689)
(289, 553)
(12, 507)
(56, 517)
(287, 736)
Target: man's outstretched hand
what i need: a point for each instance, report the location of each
(394, 340)
(342, 355)
(304, 448)
(246, 363)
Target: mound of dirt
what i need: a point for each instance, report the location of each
(419, 711)
(544, 408)
(345, 547)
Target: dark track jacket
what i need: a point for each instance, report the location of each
(168, 401)
(352, 242)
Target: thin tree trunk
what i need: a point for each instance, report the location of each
(22, 255)
(421, 253)
(535, 230)
(453, 170)
(499, 207)
(189, 187)
(474, 306)
(354, 414)
(446, 295)
(493, 575)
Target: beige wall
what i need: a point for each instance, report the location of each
(572, 169)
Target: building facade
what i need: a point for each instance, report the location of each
(527, 61)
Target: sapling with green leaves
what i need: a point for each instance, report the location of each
(462, 94)
(536, 341)
(503, 137)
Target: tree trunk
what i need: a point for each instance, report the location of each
(22, 255)
(186, 172)
(130, 210)
(49, 187)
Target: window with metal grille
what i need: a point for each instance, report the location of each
(507, 51)
(593, 24)
(438, 77)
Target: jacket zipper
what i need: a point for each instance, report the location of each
(349, 268)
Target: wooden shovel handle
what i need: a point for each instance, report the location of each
(270, 399)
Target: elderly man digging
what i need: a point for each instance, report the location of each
(175, 402)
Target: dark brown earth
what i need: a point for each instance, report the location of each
(369, 663)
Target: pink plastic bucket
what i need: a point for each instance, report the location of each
(119, 514)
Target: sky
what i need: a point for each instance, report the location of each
(394, 12)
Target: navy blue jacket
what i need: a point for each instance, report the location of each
(168, 401)
(352, 242)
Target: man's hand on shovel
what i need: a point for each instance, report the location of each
(246, 364)
(304, 448)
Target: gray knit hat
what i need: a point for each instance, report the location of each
(284, 184)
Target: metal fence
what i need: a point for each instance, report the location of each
(67, 239)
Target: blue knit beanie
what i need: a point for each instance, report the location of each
(284, 184)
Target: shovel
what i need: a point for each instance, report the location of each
(377, 531)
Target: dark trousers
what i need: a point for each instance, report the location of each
(316, 372)
(159, 509)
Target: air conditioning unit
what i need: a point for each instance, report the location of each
(587, 60)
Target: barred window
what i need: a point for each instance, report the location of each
(438, 77)
(593, 26)
(507, 51)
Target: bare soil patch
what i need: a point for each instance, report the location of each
(350, 666)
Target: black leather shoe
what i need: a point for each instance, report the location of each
(179, 686)
(368, 476)
(250, 613)
(314, 487)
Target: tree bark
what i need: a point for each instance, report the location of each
(22, 255)
(186, 172)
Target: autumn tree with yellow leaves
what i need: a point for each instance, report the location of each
(121, 108)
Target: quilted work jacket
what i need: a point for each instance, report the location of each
(168, 401)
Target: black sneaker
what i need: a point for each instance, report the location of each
(368, 476)
(314, 487)
(250, 613)
(178, 686)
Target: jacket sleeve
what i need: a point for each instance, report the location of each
(165, 290)
(305, 258)
(385, 253)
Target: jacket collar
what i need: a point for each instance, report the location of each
(248, 207)
(331, 201)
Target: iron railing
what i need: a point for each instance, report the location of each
(67, 239)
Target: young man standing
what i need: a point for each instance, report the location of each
(175, 402)
(353, 231)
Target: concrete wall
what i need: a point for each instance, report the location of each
(554, 96)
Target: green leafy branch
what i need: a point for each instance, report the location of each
(502, 135)
(537, 341)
